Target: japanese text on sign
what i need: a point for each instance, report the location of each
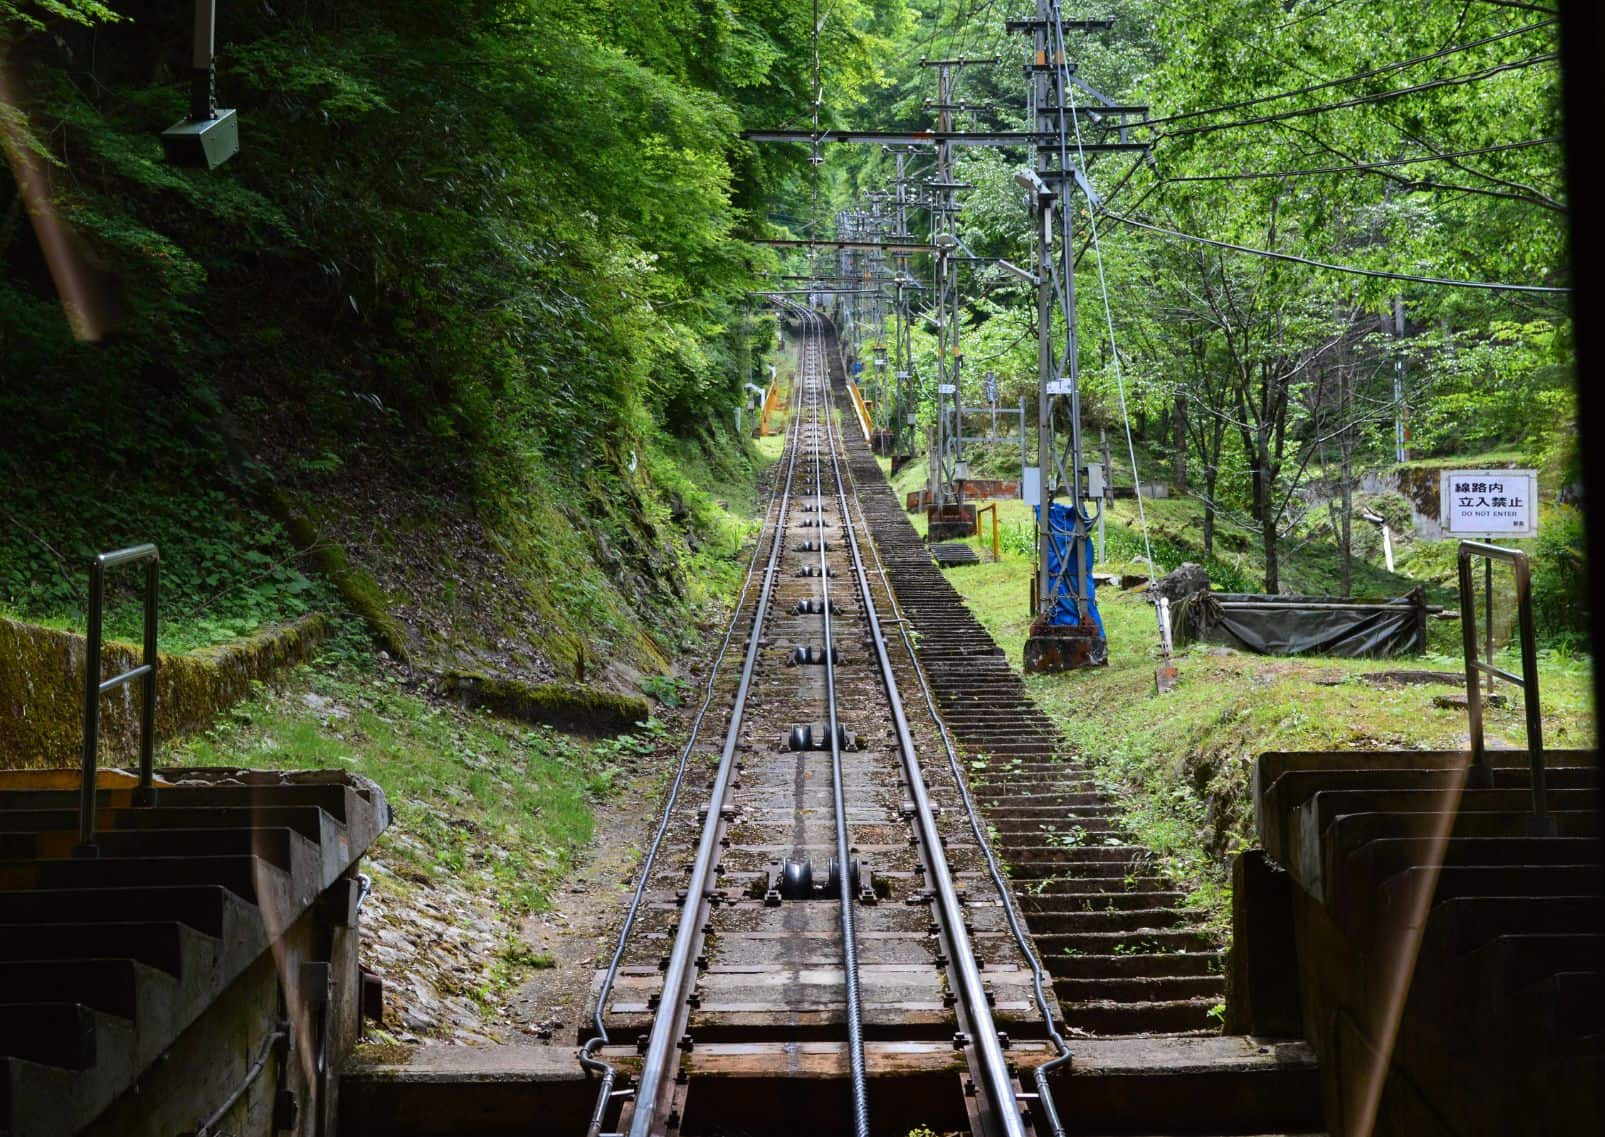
(1489, 503)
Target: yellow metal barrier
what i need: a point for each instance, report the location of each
(863, 411)
(993, 510)
(771, 401)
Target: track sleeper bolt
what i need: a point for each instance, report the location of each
(960, 1041)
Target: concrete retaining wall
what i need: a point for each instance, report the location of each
(42, 677)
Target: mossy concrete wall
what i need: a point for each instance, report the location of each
(577, 708)
(42, 686)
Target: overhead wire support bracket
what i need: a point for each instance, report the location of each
(999, 138)
(846, 246)
(1031, 25)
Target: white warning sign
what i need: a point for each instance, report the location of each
(1489, 503)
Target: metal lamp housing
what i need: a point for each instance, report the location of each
(204, 144)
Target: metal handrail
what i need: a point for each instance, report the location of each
(993, 508)
(1481, 774)
(95, 687)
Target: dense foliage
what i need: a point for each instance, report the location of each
(491, 243)
(1414, 137)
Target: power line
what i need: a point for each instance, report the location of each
(1361, 100)
(1353, 269)
(1383, 70)
(1361, 166)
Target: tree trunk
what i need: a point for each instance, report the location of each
(1211, 472)
(1268, 539)
(1347, 538)
(1178, 445)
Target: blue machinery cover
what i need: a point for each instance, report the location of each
(1062, 518)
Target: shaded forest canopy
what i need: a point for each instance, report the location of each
(473, 266)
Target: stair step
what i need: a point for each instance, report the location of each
(1170, 1017)
(1089, 965)
(51, 1034)
(202, 907)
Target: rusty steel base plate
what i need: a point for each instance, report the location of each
(1052, 648)
(950, 522)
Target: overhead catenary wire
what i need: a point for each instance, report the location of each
(1388, 68)
(1356, 270)
(1356, 167)
(1364, 100)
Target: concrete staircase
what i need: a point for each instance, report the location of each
(1449, 962)
(139, 986)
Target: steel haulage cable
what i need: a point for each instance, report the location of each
(1022, 941)
(855, 1018)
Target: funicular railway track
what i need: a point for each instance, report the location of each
(840, 954)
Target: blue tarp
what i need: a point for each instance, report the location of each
(1063, 519)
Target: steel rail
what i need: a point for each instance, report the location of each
(1011, 915)
(673, 1007)
(778, 504)
(997, 1081)
(846, 897)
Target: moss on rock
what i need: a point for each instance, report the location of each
(577, 708)
(356, 586)
(42, 685)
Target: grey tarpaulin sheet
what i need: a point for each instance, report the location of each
(1304, 625)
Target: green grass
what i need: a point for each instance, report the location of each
(499, 806)
(1180, 762)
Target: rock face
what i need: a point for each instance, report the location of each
(1186, 580)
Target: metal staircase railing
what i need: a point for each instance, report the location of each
(95, 687)
(1481, 774)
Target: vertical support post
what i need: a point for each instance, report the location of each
(1044, 403)
(1480, 775)
(86, 802)
(1022, 446)
(145, 793)
(203, 73)
(1401, 454)
(1488, 615)
(1543, 824)
(1108, 481)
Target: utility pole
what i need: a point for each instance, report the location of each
(1066, 630)
(948, 515)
